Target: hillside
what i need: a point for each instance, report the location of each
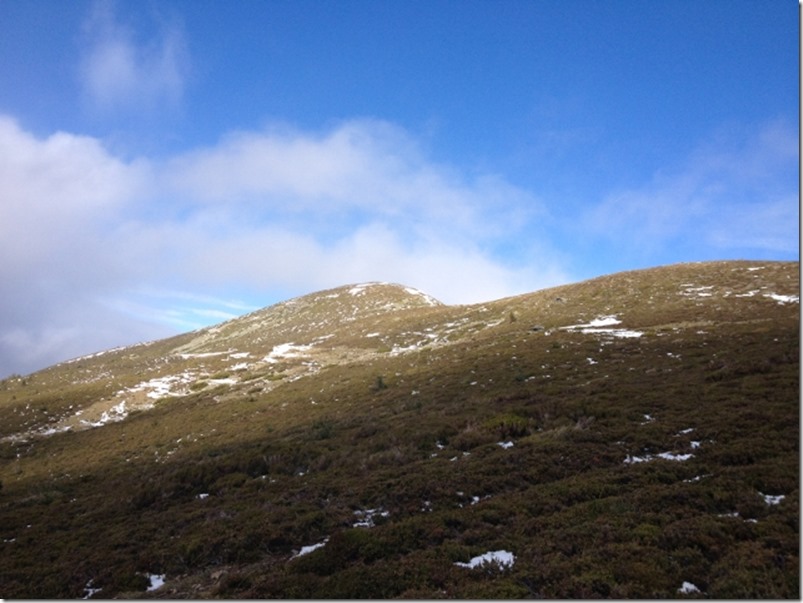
(634, 435)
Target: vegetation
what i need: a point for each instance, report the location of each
(410, 437)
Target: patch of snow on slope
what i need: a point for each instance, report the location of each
(599, 326)
(689, 290)
(116, 413)
(504, 559)
(621, 333)
(667, 456)
(98, 354)
(306, 550)
(772, 500)
(156, 580)
(358, 290)
(366, 518)
(203, 355)
(603, 321)
(89, 591)
(688, 588)
(671, 456)
(163, 386)
(783, 299)
(427, 298)
(285, 350)
(49, 431)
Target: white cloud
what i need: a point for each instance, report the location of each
(367, 166)
(119, 71)
(454, 273)
(56, 192)
(737, 192)
(60, 196)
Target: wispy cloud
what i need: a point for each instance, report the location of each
(120, 71)
(738, 191)
(358, 167)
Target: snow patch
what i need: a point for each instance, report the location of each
(504, 559)
(694, 479)
(201, 355)
(600, 325)
(163, 386)
(637, 459)
(689, 290)
(306, 550)
(157, 581)
(783, 299)
(667, 456)
(116, 413)
(358, 290)
(49, 431)
(670, 456)
(772, 500)
(102, 353)
(601, 321)
(89, 590)
(366, 517)
(285, 350)
(427, 298)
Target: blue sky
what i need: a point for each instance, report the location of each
(168, 165)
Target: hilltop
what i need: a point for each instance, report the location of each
(634, 435)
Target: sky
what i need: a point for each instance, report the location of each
(169, 165)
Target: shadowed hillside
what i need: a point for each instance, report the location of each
(635, 435)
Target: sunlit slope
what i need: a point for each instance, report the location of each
(618, 437)
(264, 348)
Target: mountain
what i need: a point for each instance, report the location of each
(634, 435)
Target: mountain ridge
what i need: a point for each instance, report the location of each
(343, 325)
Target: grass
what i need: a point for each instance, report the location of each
(221, 488)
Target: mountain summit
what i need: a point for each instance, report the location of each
(328, 313)
(631, 436)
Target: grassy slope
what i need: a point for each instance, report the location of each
(286, 462)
